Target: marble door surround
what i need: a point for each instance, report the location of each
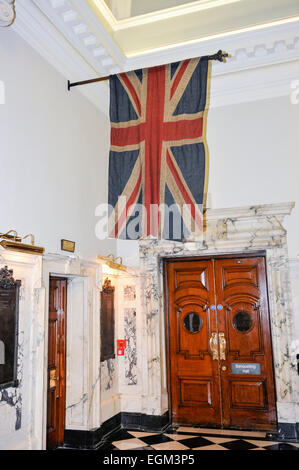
(82, 341)
(23, 410)
(228, 231)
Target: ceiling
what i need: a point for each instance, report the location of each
(122, 9)
(142, 26)
(83, 39)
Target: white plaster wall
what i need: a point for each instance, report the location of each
(253, 160)
(53, 155)
(254, 157)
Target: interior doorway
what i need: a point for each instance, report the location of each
(56, 362)
(220, 367)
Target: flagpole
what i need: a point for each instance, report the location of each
(220, 56)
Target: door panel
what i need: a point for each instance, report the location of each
(248, 396)
(221, 371)
(248, 393)
(194, 374)
(56, 363)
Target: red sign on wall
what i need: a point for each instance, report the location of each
(121, 346)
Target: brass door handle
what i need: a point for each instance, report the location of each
(222, 346)
(214, 346)
(53, 378)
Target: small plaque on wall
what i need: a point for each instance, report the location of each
(67, 245)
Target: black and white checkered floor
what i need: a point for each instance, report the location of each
(188, 438)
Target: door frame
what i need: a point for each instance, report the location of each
(62, 406)
(57, 270)
(84, 286)
(167, 260)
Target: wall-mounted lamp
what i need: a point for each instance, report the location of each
(7, 12)
(111, 261)
(11, 241)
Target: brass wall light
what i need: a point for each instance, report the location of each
(11, 241)
(111, 261)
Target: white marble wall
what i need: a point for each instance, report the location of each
(83, 339)
(130, 365)
(109, 390)
(136, 382)
(294, 347)
(23, 410)
(17, 405)
(121, 378)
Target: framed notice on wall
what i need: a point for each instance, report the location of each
(9, 315)
(107, 321)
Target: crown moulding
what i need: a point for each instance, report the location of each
(70, 36)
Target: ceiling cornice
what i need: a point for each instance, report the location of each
(36, 29)
(140, 20)
(69, 35)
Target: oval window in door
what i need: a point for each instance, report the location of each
(242, 322)
(192, 322)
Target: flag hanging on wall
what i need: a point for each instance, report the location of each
(158, 158)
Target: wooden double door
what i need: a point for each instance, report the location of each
(220, 355)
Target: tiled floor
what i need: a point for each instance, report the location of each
(185, 438)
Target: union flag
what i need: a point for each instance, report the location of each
(157, 164)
